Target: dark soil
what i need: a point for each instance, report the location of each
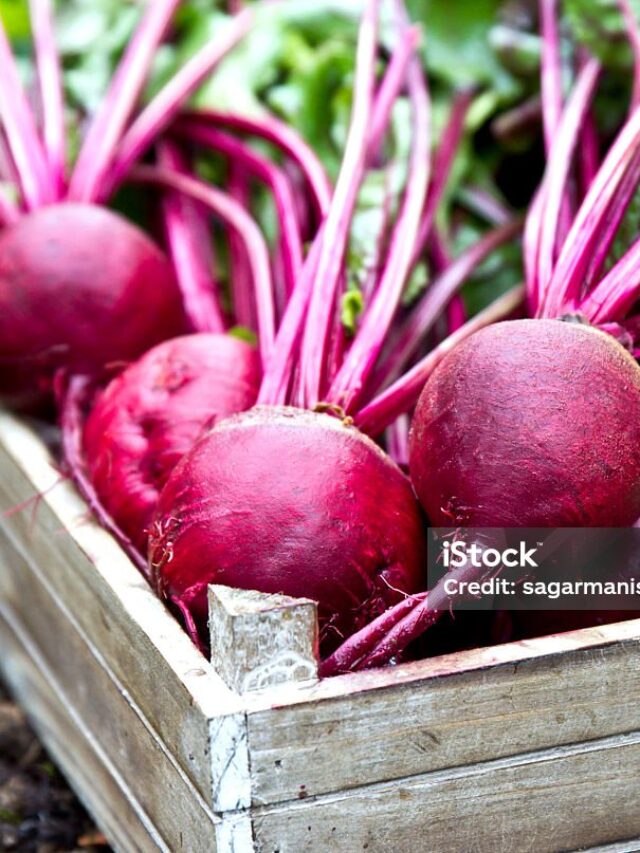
(38, 812)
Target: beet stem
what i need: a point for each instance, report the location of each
(100, 145)
(283, 194)
(161, 111)
(50, 86)
(283, 137)
(633, 32)
(483, 204)
(391, 86)
(232, 214)
(24, 144)
(556, 178)
(337, 225)
(400, 397)
(187, 235)
(349, 383)
(244, 306)
(407, 338)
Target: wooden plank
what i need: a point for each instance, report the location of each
(109, 713)
(330, 743)
(558, 800)
(111, 602)
(73, 748)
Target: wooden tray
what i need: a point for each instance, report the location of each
(530, 746)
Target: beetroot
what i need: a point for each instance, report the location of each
(530, 423)
(150, 415)
(285, 500)
(80, 287)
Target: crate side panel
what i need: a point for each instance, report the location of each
(370, 736)
(108, 712)
(115, 607)
(561, 800)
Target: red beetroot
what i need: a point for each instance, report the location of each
(530, 423)
(289, 501)
(152, 414)
(80, 287)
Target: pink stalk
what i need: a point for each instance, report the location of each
(73, 399)
(244, 305)
(611, 224)
(591, 219)
(551, 81)
(400, 397)
(531, 249)
(373, 278)
(189, 242)
(407, 338)
(391, 86)
(552, 94)
(99, 148)
(232, 214)
(159, 114)
(456, 314)
(483, 204)
(262, 168)
(336, 231)
(612, 298)
(558, 170)
(50, 85)
(350, 381)
(25, 147)
(397, 440)
(589, 145)
(633, 31)
(283, 137)
(278, 376)
(442, 165)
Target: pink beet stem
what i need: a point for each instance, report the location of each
(552, 94)
(633, 31)
(99, 148)
(591, 220)
(278, 376)
(283, 137)
(397, 441)
(232, 214)
(558, 170)
(283, 194)
(589, 146)
(618, 291)
(400, 397)
(360, 360)
(244, 305)
(159, 114)
(72, 402)
(483, 204)
(25, 146)
(190, 244)
(442, 165)
(324, 289)
(407, 338)
(50, 86)
(391, 86)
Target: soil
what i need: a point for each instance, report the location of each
(38, 812)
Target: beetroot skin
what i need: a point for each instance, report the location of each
(283, 500)
(530, 423)
(152, 414)
(80, 287)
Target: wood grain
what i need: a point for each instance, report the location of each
(563, 799)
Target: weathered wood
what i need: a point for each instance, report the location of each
(260, 641)
(328, 743)
(558, 800)
(111, 602)
(110, 714)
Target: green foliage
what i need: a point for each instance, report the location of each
(599, 25)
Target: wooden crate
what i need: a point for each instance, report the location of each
(530, 746)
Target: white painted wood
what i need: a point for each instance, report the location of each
(260, 642)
